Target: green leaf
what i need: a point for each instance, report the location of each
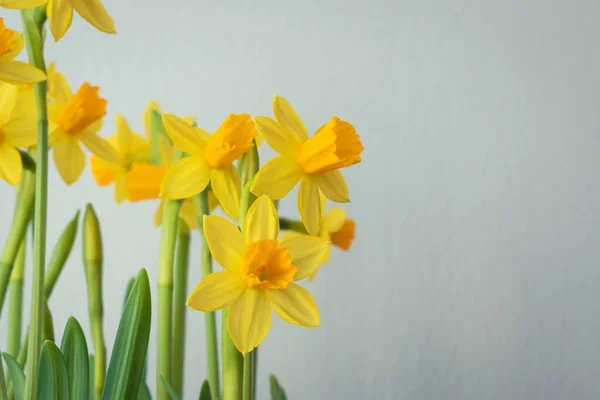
(277, 392)
(169, 389)
(92, 374)
(144, 393)
(53, 377)
(205, 391)
(15, 372)
(75, 351)
(128, 357)
(48, 323)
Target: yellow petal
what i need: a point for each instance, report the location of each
(187, 138)
(225, 183)
(261, 221)
(187, 213)
(103, 171)
(94, 12)
(249, 320)
(333, 220)
(17, 72)
(280, 140)
(121, 186)
(8, 100)
(124, 134)
(288, 234)
(295, 305)
(276, 178)
(99, 146)
(60, 14)
(18, 42)
(21, 4)
(307, 254)
(11, 168)
(167, 152)
(143, 181)
(159, 213)
(288, 119)
(152, 105)
(69, 159)
(20, 132)
(59, 90)
(333, 186)
(186, 178)
(225, 241)
(309, 204)
(216, 291)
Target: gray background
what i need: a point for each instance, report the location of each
(473, 275)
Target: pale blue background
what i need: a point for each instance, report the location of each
(474, 272)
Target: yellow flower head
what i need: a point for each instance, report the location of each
(60, 14)
(129, 147)
(211, 159)
(11, 71)
(16, 130)
(259, 275)
(21, 4)
(73, 119)
(315, 161)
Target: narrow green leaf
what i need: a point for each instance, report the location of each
(205, 391)
(92, 369)
(48, 323)
(15, 372)
(53, 377)
(128, 357)
(75, 351)
(144, 393)
(277, 392)
(169, 389)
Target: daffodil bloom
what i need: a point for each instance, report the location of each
(21, 4)
(314, 162)
(335, 229)
(60, 14)
(259, 275)
(211, 159)
(129, 146)
(15, 131)
(11, 71)
(75, 118)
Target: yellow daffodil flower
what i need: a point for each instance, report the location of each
(129, 146)
(21, 4)
(75, 118)
(313, 162)
(16, 130)
(259, 275)
(60, 14)
(335, 229)
(211, 159)
(11, 71)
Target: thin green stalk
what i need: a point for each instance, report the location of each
(92, 261)
(33, 29)
(210, 324)
(179, 308)
(22, 215)
(3, 391)
(15, 312)
(233, 363)
(248, 393)
(165, 294)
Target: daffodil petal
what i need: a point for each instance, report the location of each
(121, 186)
(187, 213)
(288, 119)
(143, 181)
(261, 221)
(20, 132)
(334, 219)
(21, 4)
(11, 167)
(94, 12)
(18, 42)
(186, 178)
(276, 178)
(124, 134)
(279, 140)
(158, 215)
(167, 152)
(152, 105)
(225, 241)
(17, 72)
(216, 291)
(309, 204)
(249, 320)
(99, 146)
(288, 234)
(69, 159)
(104, 173)
(307, 253)
(60, 14)
(186, 137)
(8, 100)
(225, 183)
(295, 305)
(333, 186)
(58, 87)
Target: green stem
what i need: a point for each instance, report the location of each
(22, 216)
(249, 375)
(33, 29)
(3, 391)
(95, 311)
(233, 363)
(292, 225)
(210, 324)
(15, 312)
(179, 308)
(165, 294)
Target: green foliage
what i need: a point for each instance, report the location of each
(205, 391)
(17, 377)
(169, 389)
(53, 376)
(75, 352)
(277, 392)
